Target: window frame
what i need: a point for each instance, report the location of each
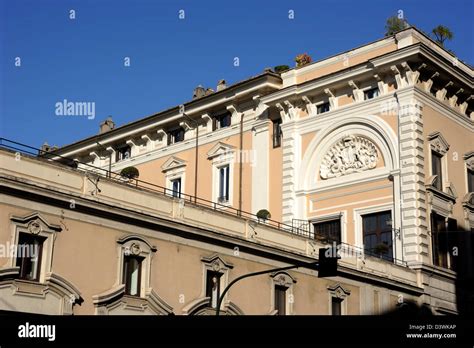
(171, 135)
(277, 133)
(439, 166)
(278, 290)
(135, 245)
(224, 186)
(209, 291)
(128, 284)
(378, 233)
(319, 107)
(218, 119)
(327, 239)
(282, 280)
(119, 153)
(20, 261)
(176, 193)
(374, 90)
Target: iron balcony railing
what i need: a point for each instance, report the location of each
(298, 227)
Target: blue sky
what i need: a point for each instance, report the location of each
(82, 60)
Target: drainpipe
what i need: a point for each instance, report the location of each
(240, 161)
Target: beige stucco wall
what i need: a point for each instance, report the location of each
(152, 171)
(340, 64)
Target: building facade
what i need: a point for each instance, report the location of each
(371, 150)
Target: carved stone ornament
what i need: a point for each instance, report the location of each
(135, 249)
(34, 227)
(351, 154)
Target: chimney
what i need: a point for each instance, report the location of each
(47, 148)
(209, 91)
(199, 92)
(221, 85)
(106, 125)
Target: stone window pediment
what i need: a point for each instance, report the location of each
(173, 163)
(220, 149)
(438, 143)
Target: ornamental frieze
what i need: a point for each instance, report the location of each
(351, 154)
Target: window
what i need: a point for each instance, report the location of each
(439, 240)
(377, 232)
(123, 153)
(221, 121)
(324, 107)
(336, 306)
(436, 169)
(371, 93)
(176, 187)
(280, 299)
(328, 231)
(29, 251)
(277, 133)
(213, 287)
(175, 136)
(132, 275)
(223, 184)
(470, 180)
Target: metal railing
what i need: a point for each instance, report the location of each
(299, 229)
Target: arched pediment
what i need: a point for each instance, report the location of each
(201, 306)
(365, 145)
(36, 223)
(115, 302)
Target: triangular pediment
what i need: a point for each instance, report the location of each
(438, 143)
(220, 149)
(173, 163)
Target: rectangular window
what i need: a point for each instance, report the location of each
(377, 231)
(175, 136)
(122, 153)
(452, 242)
(328, 231)
(280, 299)
(223, 184)
(439, 240)
(132, 271)
(213, 286)
(322, 108)
(277, 133)
(436, 169)
(29, 252)
(222, 121)
(176, 187)
(470, 180)
(371, 93)
(336, 304)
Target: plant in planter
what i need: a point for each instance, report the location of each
(130, 173)
(302, 60)
(281, 68)
(263, 215)
(381, 249)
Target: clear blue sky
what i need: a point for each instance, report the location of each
(83, 59)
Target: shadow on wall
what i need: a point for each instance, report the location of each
(459, 244)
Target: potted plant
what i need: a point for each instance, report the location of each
(130, 173)
(302, 60)
(263, 215)
(381, 249)
(281, 68)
